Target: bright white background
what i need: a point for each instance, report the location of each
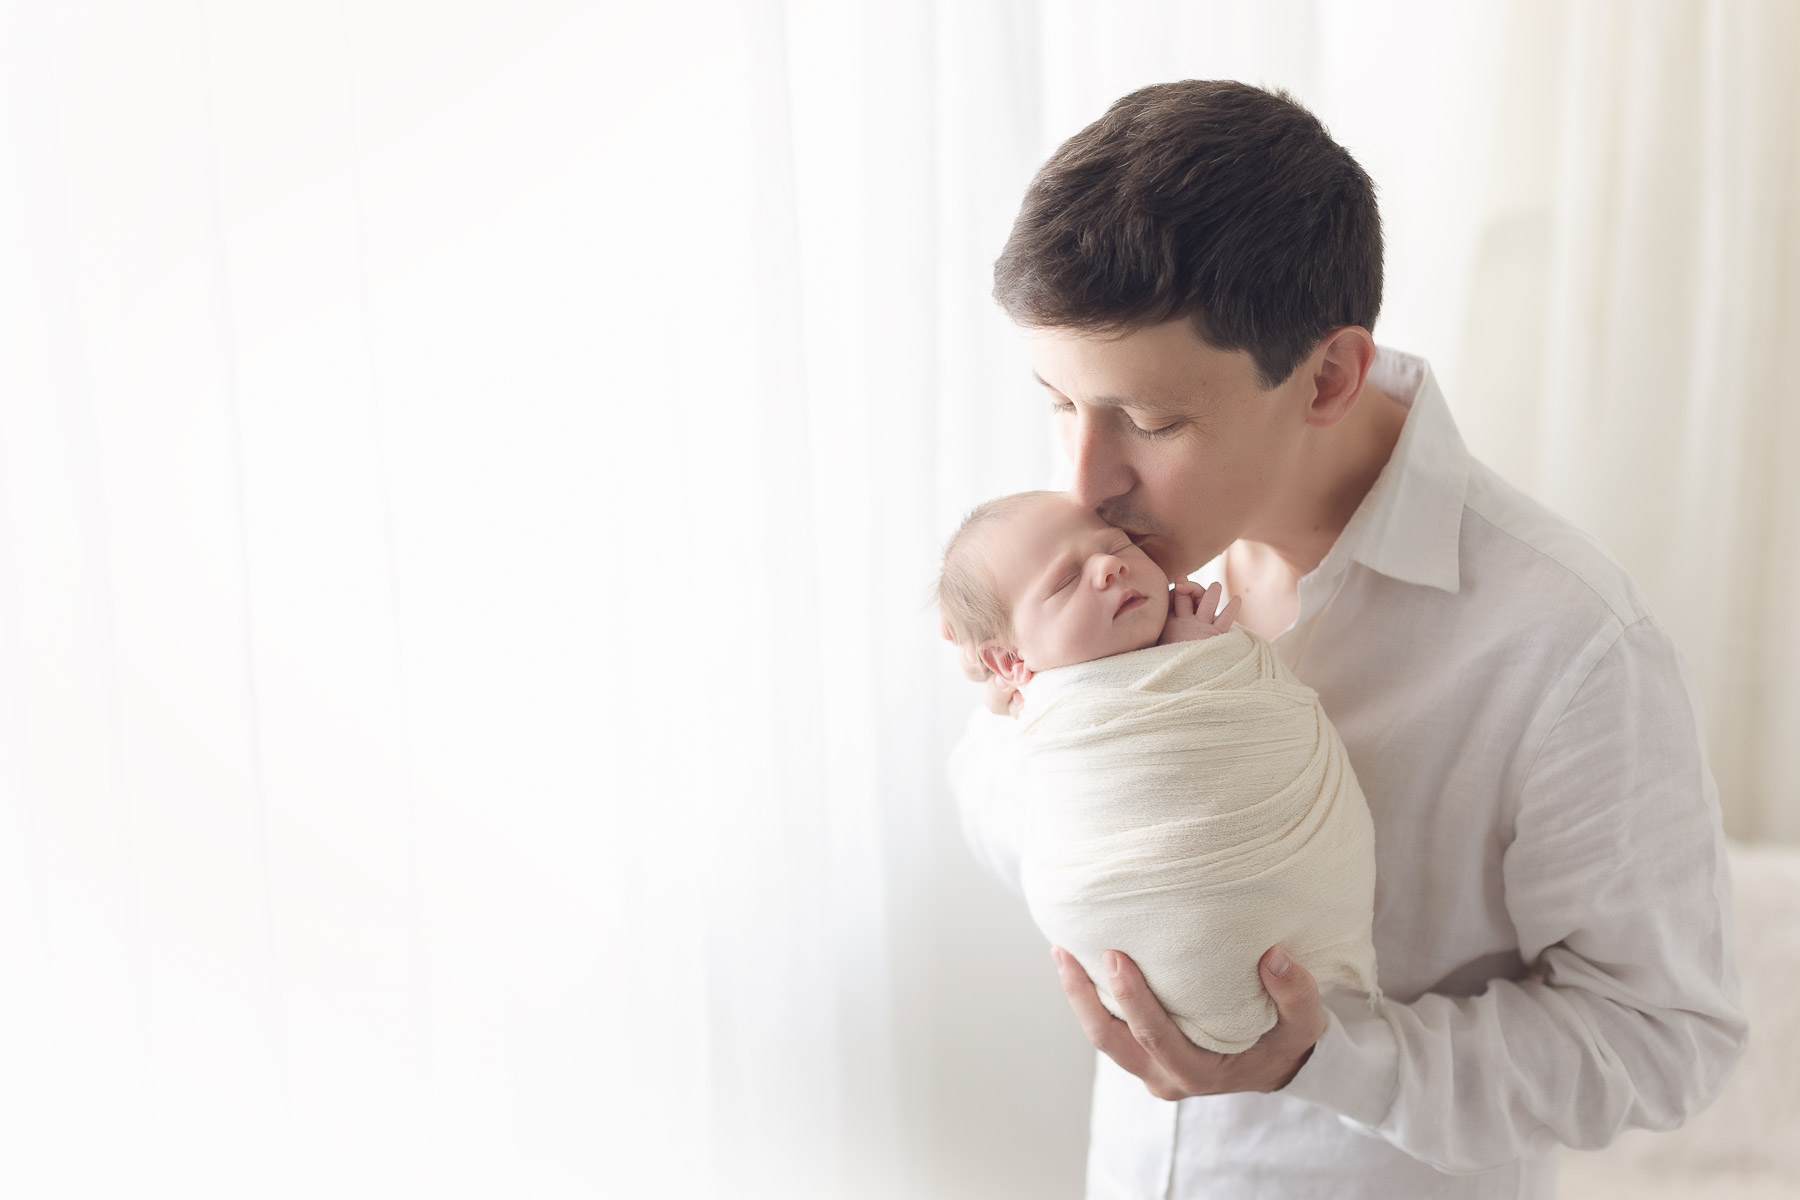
(470, 475)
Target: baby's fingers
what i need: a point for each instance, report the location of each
(1208, 603)
(1230, 614)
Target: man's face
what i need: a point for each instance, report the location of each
(1076, 587)
(1171, 440)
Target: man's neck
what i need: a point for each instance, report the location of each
(1331, 480)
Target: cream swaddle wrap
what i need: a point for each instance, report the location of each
(1191, 806)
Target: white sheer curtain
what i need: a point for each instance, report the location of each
(469, 477)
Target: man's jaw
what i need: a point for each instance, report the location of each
(1161, 552)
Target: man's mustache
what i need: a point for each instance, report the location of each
(1131, 523)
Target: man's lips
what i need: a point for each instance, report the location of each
(1132, 600)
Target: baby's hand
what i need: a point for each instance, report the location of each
(1194, 613)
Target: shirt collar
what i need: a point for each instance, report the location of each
(1409, 526)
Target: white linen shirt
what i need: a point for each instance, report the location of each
(1531, 747)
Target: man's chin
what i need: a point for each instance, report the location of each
(1166, 556)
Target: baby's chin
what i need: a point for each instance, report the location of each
(1142, 638)
(1145, 643)
(1135, 631)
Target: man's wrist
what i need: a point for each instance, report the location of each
(1354, 1067)
(1297, 1068)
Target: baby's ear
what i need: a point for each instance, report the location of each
(1004, 661)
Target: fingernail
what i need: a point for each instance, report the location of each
(1279, 963)
(1112, 962)
(1056, 956)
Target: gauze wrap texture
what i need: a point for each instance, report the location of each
(1191, 805)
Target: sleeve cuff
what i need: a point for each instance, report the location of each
(1355, 1066)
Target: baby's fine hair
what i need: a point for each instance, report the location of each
(968, 596)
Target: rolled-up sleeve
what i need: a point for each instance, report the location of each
(984, 777)
(1616, 880)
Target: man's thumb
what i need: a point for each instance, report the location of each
(1283, 976)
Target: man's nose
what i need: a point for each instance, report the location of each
(1100, 472)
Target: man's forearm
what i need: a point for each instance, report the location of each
(1469, 1083)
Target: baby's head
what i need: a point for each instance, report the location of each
(1033, 581)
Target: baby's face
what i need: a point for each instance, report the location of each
(1078, 588)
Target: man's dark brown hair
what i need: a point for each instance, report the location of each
(1206, 198)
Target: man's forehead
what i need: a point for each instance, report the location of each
(1164, 366)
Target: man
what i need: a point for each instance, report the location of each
(1200, 270)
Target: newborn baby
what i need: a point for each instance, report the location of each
(1188, 802)
(1037, 570)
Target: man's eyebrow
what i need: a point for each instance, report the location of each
(1154, 406)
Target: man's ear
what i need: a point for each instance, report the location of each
(1004, 661)
(1338, 375)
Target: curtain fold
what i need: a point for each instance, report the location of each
(471, 481)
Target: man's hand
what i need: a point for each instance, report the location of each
(1194, 613)
(1150, 1045)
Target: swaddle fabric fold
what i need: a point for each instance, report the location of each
(1192, 806)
